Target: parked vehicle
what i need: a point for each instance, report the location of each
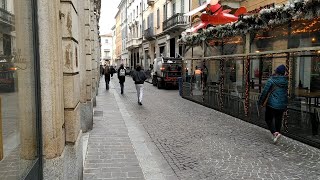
(166, 71)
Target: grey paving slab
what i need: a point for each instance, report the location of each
(110, 154)
(200, 143)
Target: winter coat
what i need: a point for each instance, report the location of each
(139, 77)
(278, 98)
(122, 79)
(107, 74)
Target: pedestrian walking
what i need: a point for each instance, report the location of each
(139, 77)
(121, 77)
(101, 70)
(275, 98)
(107, 76)
(205, 73)
(197, 74)
(112, 71)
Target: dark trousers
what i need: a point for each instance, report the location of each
(276, 115)
(107, 84)
(121, 86)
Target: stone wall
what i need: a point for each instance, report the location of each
(69, 52)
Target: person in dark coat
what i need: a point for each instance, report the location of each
(101, 70)
(107, 76)
(121, 77)
(277, 88)
(112, 71)
(139, 77)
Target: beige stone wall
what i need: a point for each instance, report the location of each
(88, 50)
(82, 51)
(158, 5)
(51, 55)
(69, 52)
(71, 77)
(118, 35)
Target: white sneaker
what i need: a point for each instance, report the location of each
(276, 137)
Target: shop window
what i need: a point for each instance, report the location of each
(18, 140)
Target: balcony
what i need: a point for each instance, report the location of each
(133, 43)
(149, 33)
(150, 2)
(6, 21)
(177, 22)
(106, 58)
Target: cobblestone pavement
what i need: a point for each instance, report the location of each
(201, 143)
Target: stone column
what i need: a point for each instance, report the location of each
(71, 81)
(50, 48)
(87, 110)
(93, 35)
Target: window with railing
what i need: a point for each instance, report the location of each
(4, 4)
(173, 8)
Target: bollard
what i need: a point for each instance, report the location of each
(1, 142)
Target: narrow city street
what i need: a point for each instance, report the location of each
(169, 137)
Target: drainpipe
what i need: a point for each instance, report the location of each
(166, 46)
(142, 27)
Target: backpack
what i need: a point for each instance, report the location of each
(122, 72)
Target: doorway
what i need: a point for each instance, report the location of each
(172, 47)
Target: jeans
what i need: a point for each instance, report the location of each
(139, 88)
(107, 84)
(121, 87)
(276, 114)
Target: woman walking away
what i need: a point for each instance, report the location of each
(139, 77)
(275, 97)
(107, 76)
(121, 77)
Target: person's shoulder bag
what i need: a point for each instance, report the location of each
(265, 101)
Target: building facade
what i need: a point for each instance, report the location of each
(134, 32)
(149, 32)
(118, 38)
(45, 107)
(114, 47)
(239, 61)
(107, 50)
(124, 30)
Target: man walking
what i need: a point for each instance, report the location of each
(107, 76)
(121, 77)
(139, 77)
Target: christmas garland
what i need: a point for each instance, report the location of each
(266, 18)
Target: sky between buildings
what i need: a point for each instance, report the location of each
(109, 8)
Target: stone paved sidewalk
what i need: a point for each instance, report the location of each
(110, 153)
(118, 147)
